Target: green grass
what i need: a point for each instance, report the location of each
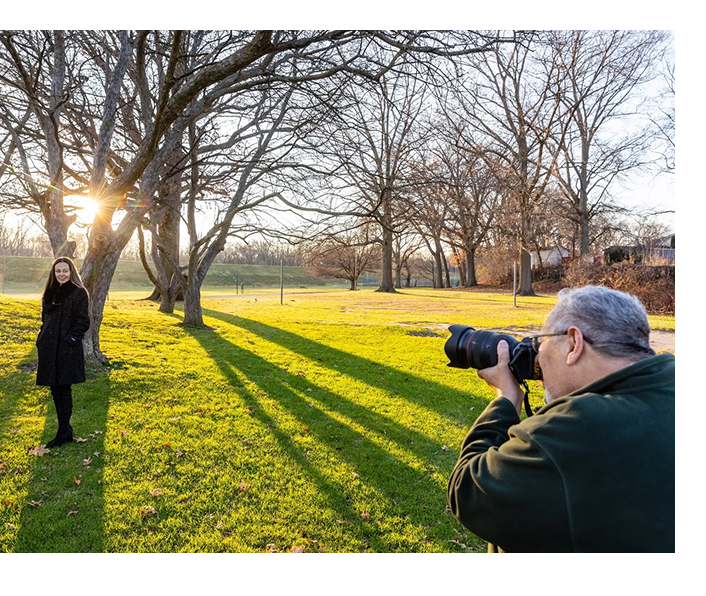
(26, 275)
(329, 423)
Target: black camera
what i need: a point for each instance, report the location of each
(470, 348)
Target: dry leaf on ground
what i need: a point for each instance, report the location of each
(39, 451)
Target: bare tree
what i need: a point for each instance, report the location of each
(472, 185)
(600, 74)
(405, 244)
(367, 149)
(113, 108)
(344, 255)
(664, 121)
(510, 101)
(36, 84)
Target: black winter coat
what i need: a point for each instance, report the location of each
(59, 348)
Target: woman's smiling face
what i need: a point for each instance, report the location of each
(62, 272)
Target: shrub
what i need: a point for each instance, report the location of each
(654, 286)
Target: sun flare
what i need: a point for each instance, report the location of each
(85, 208)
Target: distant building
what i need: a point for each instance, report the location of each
(549, 257)
(662, 249)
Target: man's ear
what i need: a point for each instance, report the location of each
(577, 345)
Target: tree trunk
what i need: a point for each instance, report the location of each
(526, 273)
(166, 213)
(192, 303)
(447, 275)
(57, 224)
(471, 279)
(584, 225)
(462, 274)
(97, 273)
(168, 301)
(525, 256)
(438, 272)
(583, 200)
(386, 281)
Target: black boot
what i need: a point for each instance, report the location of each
(63, 402)
(56, 441)
(65, 429)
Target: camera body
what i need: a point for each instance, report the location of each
(471, 348)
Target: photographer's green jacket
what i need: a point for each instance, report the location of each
(590, 472)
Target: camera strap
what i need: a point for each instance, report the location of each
(525, 388)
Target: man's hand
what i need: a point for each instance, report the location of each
(500, 378)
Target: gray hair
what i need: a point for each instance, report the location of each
(614, 322)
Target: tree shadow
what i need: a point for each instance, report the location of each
(64, 509)
(443, 400)
(388, 457)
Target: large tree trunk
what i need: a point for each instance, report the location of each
(56, 221)
(447, 274)
(525, 256)
(193, 314)
(526, 273)
(166, 217)
(583, 200)
(462, 274)
(97, 273)
(471, 279)
(387, 282)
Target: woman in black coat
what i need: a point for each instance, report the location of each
(59, 347)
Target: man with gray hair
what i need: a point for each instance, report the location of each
(593, 469)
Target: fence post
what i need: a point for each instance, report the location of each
(514, 284)
(281, 282)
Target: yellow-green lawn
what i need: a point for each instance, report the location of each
(328, 423)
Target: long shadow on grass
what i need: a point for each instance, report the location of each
(442, 399)
(65, 497)
(413, 491)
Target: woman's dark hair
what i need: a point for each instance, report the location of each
(52, 284)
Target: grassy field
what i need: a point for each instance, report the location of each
(330, 423)
(26, 275)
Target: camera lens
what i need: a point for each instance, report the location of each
(470, 348)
